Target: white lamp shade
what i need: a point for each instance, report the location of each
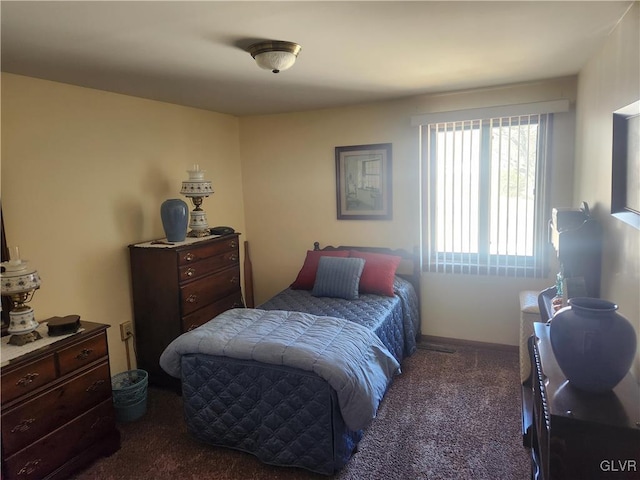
(196, 186)
(196, 189)
(18, 278)
(275, 61)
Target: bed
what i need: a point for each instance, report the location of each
(296, 380)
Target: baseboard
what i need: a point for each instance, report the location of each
(469, 343)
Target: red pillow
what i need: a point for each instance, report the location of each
(307, 274)
(379, 272)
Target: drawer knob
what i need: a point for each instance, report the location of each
(192, 298)
(189, 257)
(30, 467)
(95, 386)
(234, 279)
(23, 426)
(84, 353)
(233, 257)
(27, 379)
(233, 244)
(190, 272)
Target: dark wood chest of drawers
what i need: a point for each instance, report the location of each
(57, 407)
(576, 434)
(177, 288)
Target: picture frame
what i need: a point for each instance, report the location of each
(625, 165)
(363, 182)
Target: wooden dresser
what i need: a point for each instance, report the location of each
(577, 434)
(177, 288)
(57, 409)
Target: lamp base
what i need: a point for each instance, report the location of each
(198, 223)
(199, 233)
(24, 338)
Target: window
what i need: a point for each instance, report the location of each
(371, 174)
(486, 195)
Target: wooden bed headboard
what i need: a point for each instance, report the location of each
(409, 267)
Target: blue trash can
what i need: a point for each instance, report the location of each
(130, 394)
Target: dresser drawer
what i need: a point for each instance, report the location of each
(201, 293)
(83, 353)
(208, 265)
(44, 413)
(202, 252)
(28, 378)
(212, 310)
(52, 451)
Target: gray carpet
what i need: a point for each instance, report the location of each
(448, 416)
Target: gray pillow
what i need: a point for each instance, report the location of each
(338, 277)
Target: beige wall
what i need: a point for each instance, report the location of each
(83, 175)
(608, 82)
(289, 186)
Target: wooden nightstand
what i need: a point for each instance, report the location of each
(57, 407)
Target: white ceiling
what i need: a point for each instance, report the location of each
(192, 53)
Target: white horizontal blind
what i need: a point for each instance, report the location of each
(486, 188)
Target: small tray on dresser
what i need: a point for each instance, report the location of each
(57, 326)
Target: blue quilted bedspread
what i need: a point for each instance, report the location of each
(396, 320)
(350, 357)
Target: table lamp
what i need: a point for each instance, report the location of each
(19, 282)
(197, 188)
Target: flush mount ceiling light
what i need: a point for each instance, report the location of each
(275, 55)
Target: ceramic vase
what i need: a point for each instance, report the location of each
(593, 344)
(175, 217)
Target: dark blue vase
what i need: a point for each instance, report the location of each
(593, 344)
(175, 218)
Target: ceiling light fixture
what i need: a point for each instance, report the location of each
(275, 55)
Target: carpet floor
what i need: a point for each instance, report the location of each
(448, 416)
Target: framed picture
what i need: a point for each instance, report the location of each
(625, 178)
(363, 182)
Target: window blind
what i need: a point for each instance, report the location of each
(486, 195)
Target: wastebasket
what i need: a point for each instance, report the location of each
(130, 394)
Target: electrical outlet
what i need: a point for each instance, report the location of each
(126, 330)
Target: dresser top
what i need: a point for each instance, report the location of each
(86, 328)
(619, 407)
(188, 241)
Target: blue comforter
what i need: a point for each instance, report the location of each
(396, 320)
(348, 356)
